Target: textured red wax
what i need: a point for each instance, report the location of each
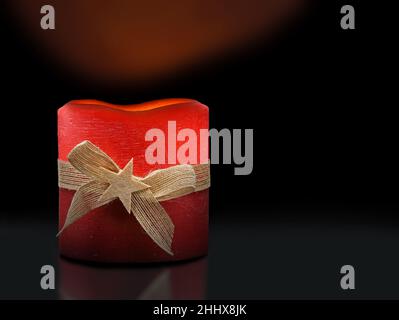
(109, 233)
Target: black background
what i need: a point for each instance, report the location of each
(322, 102)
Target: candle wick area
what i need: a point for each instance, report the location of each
(156, 104)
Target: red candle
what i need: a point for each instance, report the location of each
(108, 233)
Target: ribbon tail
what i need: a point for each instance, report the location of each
(84, 200)
(153, 219)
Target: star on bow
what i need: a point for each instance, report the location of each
(121, 185)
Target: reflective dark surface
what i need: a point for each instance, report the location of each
(293, 254)
(178, 281)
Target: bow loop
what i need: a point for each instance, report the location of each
(90, 160)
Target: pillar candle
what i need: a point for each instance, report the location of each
(109, 233)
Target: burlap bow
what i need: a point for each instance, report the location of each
(98, 180)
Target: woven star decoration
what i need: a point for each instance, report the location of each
(121, 185)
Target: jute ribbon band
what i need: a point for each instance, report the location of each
(98, 180)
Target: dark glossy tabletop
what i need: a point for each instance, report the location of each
(283, 255)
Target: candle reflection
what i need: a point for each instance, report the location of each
(186, 280)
